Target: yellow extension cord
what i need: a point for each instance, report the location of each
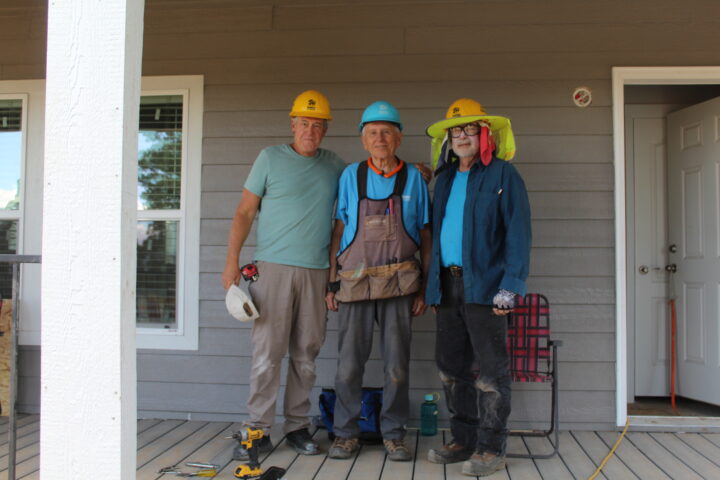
(607, 457)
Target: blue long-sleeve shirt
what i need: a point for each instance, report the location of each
(496, 232)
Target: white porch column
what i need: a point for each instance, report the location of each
(88, 397)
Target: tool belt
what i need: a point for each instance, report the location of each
(380, 261)
(383, 281)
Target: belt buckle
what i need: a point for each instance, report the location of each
(455, 270)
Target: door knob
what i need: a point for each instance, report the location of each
(672, 268)
(643, 269)
(672, 248)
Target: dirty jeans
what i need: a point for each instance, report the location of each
(355, 324)
(472, 357)
(293, 317)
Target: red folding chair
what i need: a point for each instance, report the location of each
(533, 358)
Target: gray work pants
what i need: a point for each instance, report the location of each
(356, 320)
(293, 317)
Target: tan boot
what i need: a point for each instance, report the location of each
(396, 450)
(483, 464)
(451, 453)
(343, 448)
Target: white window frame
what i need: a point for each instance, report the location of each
(186, 335)
(18, 214)
(29, 215)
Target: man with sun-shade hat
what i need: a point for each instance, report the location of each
(478, 264)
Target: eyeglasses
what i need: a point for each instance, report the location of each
(469, 129)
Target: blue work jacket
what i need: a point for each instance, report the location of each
(496, 232)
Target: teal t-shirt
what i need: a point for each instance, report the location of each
(451, 233)
(298, 194)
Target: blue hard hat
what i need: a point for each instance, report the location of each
(380, 111)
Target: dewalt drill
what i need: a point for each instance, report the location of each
(249, 438)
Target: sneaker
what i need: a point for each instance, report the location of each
(343, 448)
(483, 464)
(396, 450)
(241, 454)
(451, 453)
(302, 442)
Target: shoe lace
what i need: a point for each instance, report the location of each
(345, 443)
(395, 444)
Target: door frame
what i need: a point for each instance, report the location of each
(622, 76)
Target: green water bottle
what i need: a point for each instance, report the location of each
(428, 414)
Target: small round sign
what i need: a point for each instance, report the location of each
(582, 96)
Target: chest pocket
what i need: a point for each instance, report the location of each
(487, 208)
(379, 223)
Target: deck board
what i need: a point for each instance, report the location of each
(424, 470)
(689, 456)
(368, 464)
(163, 443)
(307, 466)
(596, 448)
(712, 437)
(673, 467)
(576, 459)
(550, 468)
(175, 453)
(633, 457)
(520, 467)
(702, 445)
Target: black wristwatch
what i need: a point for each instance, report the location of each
(333, 287)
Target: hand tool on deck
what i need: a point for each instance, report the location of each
(206, 472)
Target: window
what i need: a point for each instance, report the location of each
(159, 193)
(168, 227)
(11, 167)
(168, 217)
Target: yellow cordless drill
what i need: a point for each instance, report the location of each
(249, 438)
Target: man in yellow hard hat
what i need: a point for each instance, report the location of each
(297, 184)
(479, 263)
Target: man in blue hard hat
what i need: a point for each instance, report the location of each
(382, 221)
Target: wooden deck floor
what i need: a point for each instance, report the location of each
(174, 442)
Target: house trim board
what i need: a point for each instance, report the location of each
(622, 76)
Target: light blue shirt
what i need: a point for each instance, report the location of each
(415, 200)
(452, 225)
(295, 216)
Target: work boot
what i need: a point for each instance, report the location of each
(453, 452)
(241, 454)
(483, 464)
(396, 450)
(302, 442)
(343, 448)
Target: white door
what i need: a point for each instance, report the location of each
(693, 204)
(647, 139)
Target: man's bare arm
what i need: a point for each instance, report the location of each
(425, 249)
(242, 222)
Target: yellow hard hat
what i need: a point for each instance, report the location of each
(313, 104)
(467, 110)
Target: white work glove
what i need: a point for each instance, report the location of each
(504, 300)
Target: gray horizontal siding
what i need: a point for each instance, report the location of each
(519, 58)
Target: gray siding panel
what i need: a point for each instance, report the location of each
(519, 58)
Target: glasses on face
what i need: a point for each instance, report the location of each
(469, 129)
